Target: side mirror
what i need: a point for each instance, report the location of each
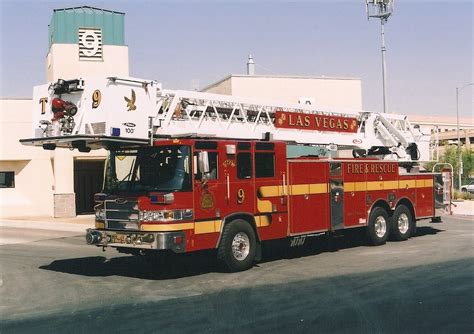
(203, 162)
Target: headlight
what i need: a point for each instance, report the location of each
(99, 214)
(166, 215)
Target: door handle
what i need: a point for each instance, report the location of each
(228, 186)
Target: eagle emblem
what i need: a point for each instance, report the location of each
(281, 119)
(131, 102)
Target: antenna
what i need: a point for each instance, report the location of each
(381, 9)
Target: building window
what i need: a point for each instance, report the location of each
(244, 165)
(7, 179)
(264, 164)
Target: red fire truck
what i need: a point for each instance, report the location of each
(222, 173)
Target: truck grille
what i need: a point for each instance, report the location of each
(121, 215)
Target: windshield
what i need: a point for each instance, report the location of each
(164, 168)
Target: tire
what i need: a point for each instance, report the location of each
(402, 224)
(464, 190)
(378, 228)
(238, 246)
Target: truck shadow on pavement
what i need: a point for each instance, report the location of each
(200, 263)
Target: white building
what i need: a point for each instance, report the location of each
(323, 91)
(83, 41)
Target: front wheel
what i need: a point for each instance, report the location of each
(378, 227)
(237, 248)
(402, 223)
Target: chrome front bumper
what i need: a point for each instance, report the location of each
(175, 241)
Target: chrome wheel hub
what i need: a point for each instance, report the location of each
(241, 246)
(380, 226)
(403, 224)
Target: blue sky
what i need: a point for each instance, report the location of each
(430, 45)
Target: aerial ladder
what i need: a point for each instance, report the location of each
(93, 113)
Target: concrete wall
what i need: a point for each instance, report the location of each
(33, 192)
(62, 62)
(44, 180)
(334, 92)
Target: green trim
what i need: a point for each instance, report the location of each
(65, 23)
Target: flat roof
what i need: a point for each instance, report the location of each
(322, 77)
(87, 7)
(16, 98)
(441, 120)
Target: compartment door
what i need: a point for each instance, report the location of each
(308, 196)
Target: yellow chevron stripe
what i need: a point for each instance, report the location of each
(264, 206)
(262, 221)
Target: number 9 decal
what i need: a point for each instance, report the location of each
(240, 196)
(96, 98)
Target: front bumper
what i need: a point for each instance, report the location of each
(175, 241)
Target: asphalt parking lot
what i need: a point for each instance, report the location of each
(53, 282)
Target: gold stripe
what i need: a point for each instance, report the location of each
(208, 226)
(296, 189)
(405, 184)
(271, 191)
(166, 227)
(308, 189)
(204, 227)
(217, 225)
(322, 188)
(262, 221)
(299, 189)
(318, 188)
(349, 186)
(375, 185)
(264, 206)
(100, 225)
(355, 186)
(388, 185)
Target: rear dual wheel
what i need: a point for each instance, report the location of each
(379, 227)
(402, 224)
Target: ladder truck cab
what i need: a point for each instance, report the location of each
(190, 171)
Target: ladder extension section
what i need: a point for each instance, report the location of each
(187, 113)
(109, 112)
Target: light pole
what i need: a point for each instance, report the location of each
(459, 152)
(381, 9)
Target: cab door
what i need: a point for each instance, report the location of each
(240, 181)
(208, 189)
